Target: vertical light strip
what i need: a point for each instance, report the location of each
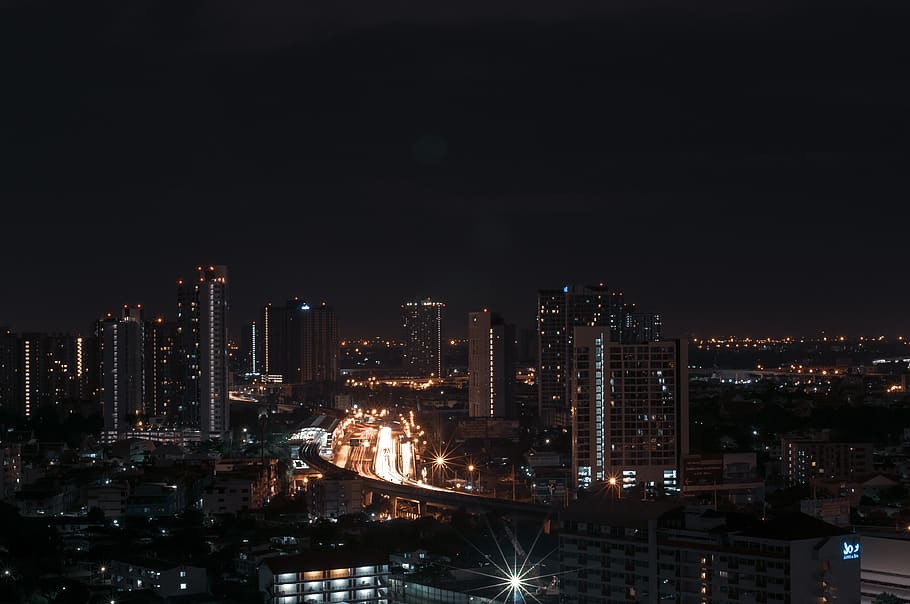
(492, 377)
(114, 369)
(253, 368)
(28, 375)
(600, 461)
(265, 348)
(211, 359)
(79, 358)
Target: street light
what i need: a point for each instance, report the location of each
(474, 483)
(439, 467)
(614, 484)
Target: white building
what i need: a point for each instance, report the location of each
(325, 576)
(885, 563)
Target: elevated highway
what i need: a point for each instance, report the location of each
(407, 494)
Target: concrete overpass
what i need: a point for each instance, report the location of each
(409, 496)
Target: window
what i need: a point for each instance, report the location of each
(183, 586)
(182, 573)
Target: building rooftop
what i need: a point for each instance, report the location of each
(606, 509)
(152, 563)
(325, 560)
(793, 527)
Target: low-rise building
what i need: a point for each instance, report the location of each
(335, 494)
(10, 470)
(109, 496)
(806, 457)
(239, 487)
(325, 576)
(722, 478)
(155, 500)
(833, 510)
(166, 579)
(47, 497)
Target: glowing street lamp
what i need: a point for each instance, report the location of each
(614, 484)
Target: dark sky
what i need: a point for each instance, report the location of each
(739, 167)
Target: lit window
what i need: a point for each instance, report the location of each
(183, 586)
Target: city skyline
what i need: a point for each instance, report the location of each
(24, 314)
(506, 300)
(470, 156)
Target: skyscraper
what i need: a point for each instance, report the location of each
(160, 350)
(252, 354)
(123, 369)
(300, 342)
(630, 411)
(274, 341)
(10, 371)
(491, 365)
(51, 370)
(422, 322)
(202, 309)
(559, 311)
(640, 326)
(319, 343)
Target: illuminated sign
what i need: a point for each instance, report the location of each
(850, 550)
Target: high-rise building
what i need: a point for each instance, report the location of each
(300, 342)
(215, 407)
(202, 345)
(252, 354)
(160, 352)
(491, 365)
(186, 361)
(319, 343)
(51, 367)
(10, 369)
(422, 322)
(640, 326)
(123, 369)
(630, 411)
(559, 311)
(274, 341)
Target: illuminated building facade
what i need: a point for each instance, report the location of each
(559, 311)
(123, 369)
(252, 351)
(299, 342)
(160, 350)
(326, 576)
(10, 370)
(632, 551)
(630, 412)
(491, 365)
(50, 371)
(312, 332)
(814, 456)
(274, 341)
(202, 343)
(422, 323)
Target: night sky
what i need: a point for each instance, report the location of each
(737, 167)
